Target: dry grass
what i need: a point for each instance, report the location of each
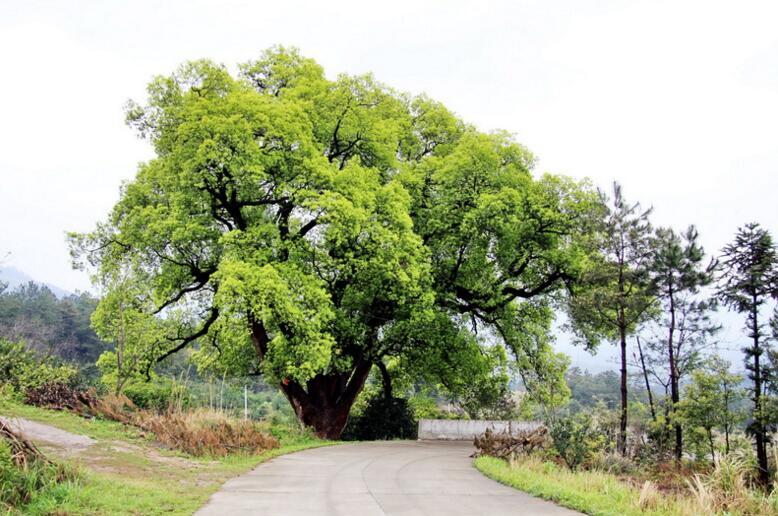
(728, 489)
(649, 496)
(198, 432)
(207, 432)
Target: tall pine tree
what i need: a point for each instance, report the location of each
(677, 273)
(616, 295)
(749, 279)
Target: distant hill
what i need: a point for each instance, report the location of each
(15, 278)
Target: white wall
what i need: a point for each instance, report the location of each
(466, 429)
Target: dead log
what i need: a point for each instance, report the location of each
(23, 452)
(508, 444)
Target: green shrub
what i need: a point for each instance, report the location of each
(576, 439)
(383, 418)
(612, 462)
(24, 369)
(424, 406)
(157, 395)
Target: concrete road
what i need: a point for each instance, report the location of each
(382, 478)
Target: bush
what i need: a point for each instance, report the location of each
(728, 489)
(424, 406)
(576, 440)
(157, 395)
(23, 369)
(383, 418)
(613, 462)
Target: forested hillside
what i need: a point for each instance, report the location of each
(51, 326)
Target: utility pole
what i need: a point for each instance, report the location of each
(245, 402)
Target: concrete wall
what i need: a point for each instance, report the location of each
(465, 430)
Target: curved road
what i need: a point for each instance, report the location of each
(378, 478)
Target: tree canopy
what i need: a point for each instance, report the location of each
(307, 229)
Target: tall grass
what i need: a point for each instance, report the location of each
(729, 488)
(725, 490)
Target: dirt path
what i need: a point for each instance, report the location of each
(38, 432)
(104, 455)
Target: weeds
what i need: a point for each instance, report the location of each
(206, 432)
(728, 489)
(25, 471)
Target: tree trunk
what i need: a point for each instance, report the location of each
(674, 388)
(623, 422)
(386, 379)
(759, 417)
(645, 377)
(325, 401)
(712, 448)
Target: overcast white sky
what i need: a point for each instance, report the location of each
(677, 100)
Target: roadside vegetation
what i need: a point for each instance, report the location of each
(722, 490)
(144, 461)
(127, 470)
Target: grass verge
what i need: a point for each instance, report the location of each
(126, 472)
(590, 492)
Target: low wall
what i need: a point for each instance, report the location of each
(467, 429)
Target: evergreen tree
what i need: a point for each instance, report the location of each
(749, 279)
(677, 273)
(615, 297)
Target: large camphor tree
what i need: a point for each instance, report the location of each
(307, 229)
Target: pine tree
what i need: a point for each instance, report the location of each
(616, 296)
(677, 273)
(749, 279)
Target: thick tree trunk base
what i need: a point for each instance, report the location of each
(327, 423)
(325, 403)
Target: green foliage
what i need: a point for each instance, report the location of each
(383, 418)
(123, 317)
(158, 394)
(424, 406)
(710, 402)
(677, 273)
(588, 389)
(307, 228)
(23, 369)
(615, 296)
(576, 440)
